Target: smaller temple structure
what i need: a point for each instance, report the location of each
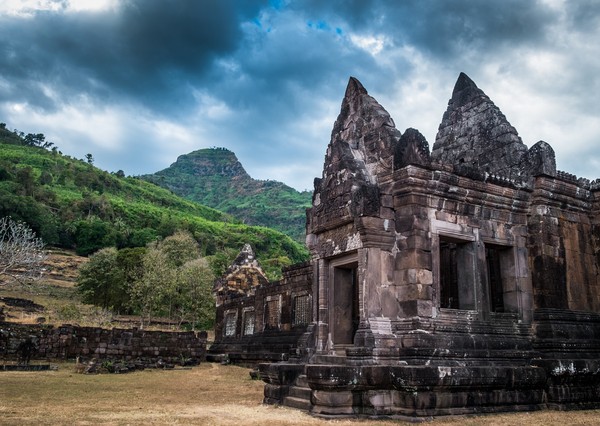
(258, 320)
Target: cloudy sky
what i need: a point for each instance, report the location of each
(137, 83)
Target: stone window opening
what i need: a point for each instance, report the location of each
(301, 310)
(248, 322)
(499, 261)
(272, 313)
(230, 324)
(456, 274)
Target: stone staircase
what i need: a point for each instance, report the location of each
(299, 394)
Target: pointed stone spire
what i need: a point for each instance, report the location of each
(475, 135)
(244, 258)
(359, 152)
(354, 87)
(465, 90)
(362, 135)
(242, 276)
(412, 148)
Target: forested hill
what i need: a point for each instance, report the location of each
(214, 177)
(72, 204)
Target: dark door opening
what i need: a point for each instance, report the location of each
(457, 274)
(346, 315)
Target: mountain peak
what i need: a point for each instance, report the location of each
(208, 162)
(215, 177)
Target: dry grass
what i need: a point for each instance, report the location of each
(210, 394)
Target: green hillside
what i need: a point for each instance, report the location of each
(71, 204)
(214, 177)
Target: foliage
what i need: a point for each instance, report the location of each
(21, 252)
(196, 303)
(69, 312)
(214, 177)
(150, 291)
(102, 281)
(151, 252)
(175, 282)
(180, 248)
(71, 204)
(220, 261)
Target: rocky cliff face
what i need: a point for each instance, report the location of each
(208, 162)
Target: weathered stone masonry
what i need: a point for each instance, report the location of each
(258, 320)
(69, 342)
(461, 280)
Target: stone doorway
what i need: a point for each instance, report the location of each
(345, 308)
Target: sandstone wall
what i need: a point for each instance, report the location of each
(69, 342)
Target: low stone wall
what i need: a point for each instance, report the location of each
(69, 342)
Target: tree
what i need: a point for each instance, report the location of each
(196, 304)
(175, 282)
(89, 158)
(45, 178)
(149, 292)
(180, 248)
(26, 180)
(21, 253)
(37, 139)
(93, 234)
(130, 260)
(101, 282)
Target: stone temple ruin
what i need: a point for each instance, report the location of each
(258, 320)
(464, 279)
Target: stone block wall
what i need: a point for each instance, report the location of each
(68, 342)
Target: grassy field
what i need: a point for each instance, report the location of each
(210, 394)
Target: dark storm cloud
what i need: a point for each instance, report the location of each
(289, 57)
(266, 79)
(445, 28)
(286, 67)
(583, 14)
(145, 49)
(155, 52)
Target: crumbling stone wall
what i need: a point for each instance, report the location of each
(69, 342)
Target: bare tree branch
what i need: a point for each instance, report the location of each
(21, 252)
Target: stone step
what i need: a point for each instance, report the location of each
(302, 381)
(299, 403)
(329, 359)
(300, 392)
